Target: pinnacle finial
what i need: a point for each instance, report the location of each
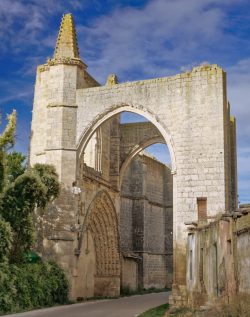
(112, 80)
(66, 45)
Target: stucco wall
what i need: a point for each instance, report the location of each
(242, 235)
(218, 259)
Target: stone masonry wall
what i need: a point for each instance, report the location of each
(186, 106)
(144, 214)
(190, 111)
(53, 128)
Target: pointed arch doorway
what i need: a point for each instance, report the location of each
(99, 260)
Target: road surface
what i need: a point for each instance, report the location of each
(122, 307)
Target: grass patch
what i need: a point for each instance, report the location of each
(156, 312)
(183, 312)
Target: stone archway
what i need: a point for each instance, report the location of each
(136, 150)
(101, 221)
(86, 132)
(132, 140)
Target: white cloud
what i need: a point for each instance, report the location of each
(155, 39)
(15, 90)
(23, 23)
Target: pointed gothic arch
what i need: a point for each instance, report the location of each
(87, 133)
(101, 220)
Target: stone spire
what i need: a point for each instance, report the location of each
(66, 45)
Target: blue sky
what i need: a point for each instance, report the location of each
(134, 39)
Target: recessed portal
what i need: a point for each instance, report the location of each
(128, 159)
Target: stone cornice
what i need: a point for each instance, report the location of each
(56, 105)
(60, 149)
(62, 61)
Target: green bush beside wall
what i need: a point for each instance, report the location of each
(29, 286)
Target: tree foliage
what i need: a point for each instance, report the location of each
(49, 178)
(18, 203)
(34, 188)
(24, 285)
(6, 238)
(15, 166)
(21, 191)
(6, 141)
(7, 137)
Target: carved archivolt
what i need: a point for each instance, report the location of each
(102, 221)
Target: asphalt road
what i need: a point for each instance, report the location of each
(122, 307)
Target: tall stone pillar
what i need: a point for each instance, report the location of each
(53, 131)
(53, 141)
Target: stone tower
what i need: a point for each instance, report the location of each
(53, 130)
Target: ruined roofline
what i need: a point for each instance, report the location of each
(151, 156)
(67, 52)
(244, 208)
(194, 73)
(92, 79)
(128, 124)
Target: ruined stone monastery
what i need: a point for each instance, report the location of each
(124, 219)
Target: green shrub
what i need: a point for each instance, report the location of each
(25, 285)
(29, 286)
(48, 176)
(36, 187)
(6, 237)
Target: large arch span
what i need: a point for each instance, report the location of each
(86, 135)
